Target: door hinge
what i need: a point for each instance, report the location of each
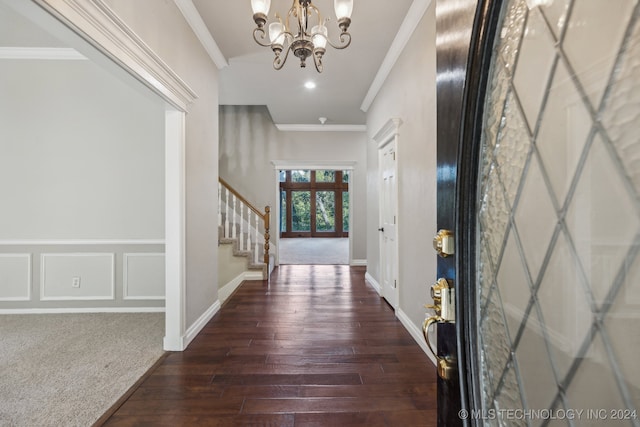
(395, 284)
(394, 155)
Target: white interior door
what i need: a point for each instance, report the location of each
(388, 214)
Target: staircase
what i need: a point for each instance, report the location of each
(246, 228)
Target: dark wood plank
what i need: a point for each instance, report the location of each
(315, 346)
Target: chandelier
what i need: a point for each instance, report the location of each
(304, 42)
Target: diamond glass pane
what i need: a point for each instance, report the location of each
(594, 385)
(508, 398)
(512, 148)
(510, 35)
(494, 214)
(485, 271)
(621, 116)
(602, 219)
(564, 130)
(514, 287)
(562, 286)
(536, 373)
(593, 39)
(497, 347)
(622, 318)
(535, 218)
(559, 210)
(534, 66)
(556, 14)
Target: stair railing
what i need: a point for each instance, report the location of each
(239, 213)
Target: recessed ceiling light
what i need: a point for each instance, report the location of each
(310, 85)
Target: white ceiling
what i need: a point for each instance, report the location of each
(249, 77)
(345, 88)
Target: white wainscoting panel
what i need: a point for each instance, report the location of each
(144, 276)
(15, 277)
(95, 271)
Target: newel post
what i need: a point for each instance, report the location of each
(267, 221)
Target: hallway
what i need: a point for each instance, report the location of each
(316, 346)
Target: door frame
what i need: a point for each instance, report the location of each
(100, 35)
(388, 134)
(470, 141)
(284, 165)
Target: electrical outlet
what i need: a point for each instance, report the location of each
(75, 282)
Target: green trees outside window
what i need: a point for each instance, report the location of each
(314, 203)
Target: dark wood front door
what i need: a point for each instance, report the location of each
(538, 182)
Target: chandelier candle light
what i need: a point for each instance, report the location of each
(305, 42)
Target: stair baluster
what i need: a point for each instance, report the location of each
(241, 226)
(226, 216)
(249, 237)
(219, 205)
(255, 250)
(233, 217)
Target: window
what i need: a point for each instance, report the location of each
(314, 203)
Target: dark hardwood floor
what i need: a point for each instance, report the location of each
(315, 347)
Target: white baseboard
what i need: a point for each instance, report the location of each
(416, 333)
(373, 282)
(199, 324)
(225, 292)
(358, 263)
(253, 275)
(82, 310)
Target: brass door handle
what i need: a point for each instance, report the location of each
(447, 366)
(425, 331)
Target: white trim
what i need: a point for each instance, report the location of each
(373, 282)
(321, 128)
(79, 242)
(388, 137)
(358, 262)
(279, 165)
(197, 326)
(388, 131)
(175, 230)
(96, 22)
(125, 275)
(225, 292)
(29, 278)
(253, 275)
(45, 53)
(43, 276)
(194, 19)
(82, 310)
(414, 16)
(416, 333)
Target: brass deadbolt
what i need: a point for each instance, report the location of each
(443, 243)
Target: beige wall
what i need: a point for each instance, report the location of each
(250, 142)
(409, 93)
(169, 36)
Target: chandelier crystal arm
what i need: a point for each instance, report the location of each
(305, 40)
(279, 60)
(260, 34)
(345, 40)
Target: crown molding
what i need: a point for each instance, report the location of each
(97, 23)
(46, 53)
(321, 128)
(411, 21)
(195, 21)
(314, 164)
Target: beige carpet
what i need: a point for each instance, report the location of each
(68, 369)
(334, 251)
